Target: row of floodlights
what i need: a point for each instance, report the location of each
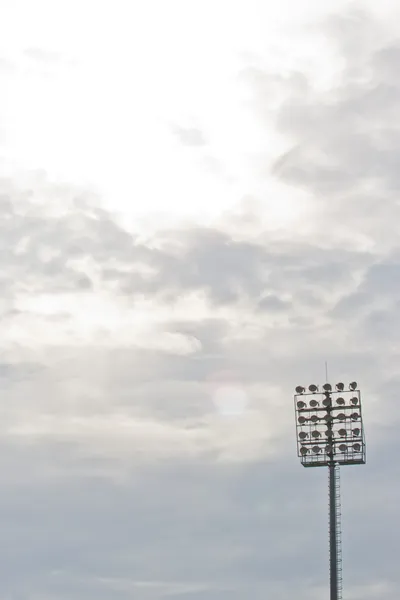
(340, 417)
(329, 449)
(303, 435)
(327, 402)
(326, 387)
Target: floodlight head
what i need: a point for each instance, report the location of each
(340, 387)
(316, 434)
(316, 449)
(300, 389)
(356, 431)
(303, 435)
(313, 403)
(303, 450)
(302, 420)
(354, 416)
(327, 387)
(357, 447)
(354, 400)
(313, 388)
(353, 385)
(342, 432)
(340, 401)
(343, 448)
(341, 416)
(314, 419)
(301, 404)
(327, 401)
(329, 433)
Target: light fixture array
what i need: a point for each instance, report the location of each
(329, 424)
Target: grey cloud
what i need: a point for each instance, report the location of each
(346, 137)
(190, 136)
(273, 303)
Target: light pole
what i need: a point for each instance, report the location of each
(330, 433)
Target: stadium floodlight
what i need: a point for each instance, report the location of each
(330, 423)
(301, 404)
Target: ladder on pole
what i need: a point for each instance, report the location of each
(338, 532)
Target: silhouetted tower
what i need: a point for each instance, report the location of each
(330, 433)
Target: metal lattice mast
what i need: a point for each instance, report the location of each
(338, 513)
(335, 533)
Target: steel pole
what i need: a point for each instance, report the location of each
(333, 565)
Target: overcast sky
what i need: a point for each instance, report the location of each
(199, 206)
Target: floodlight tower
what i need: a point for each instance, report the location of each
(330, 433)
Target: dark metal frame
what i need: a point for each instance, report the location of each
(328, 420)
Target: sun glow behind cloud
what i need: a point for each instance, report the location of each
(100, 107)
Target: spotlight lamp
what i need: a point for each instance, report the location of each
(341, 417)
(316, 434)
(340, 387)
(300, 389)
(301, 404)
(316, 449)
(303, 450)
(354, 400)
(302, 420)
(342, 432)
(327, 401)
(314, 403)
(343, 448)
(357, 447)
(314, 419)
(313, 388)
(353, 385)
(340, 401)
(327, 387)
(356, 431)
(354, 416)
(303, 435)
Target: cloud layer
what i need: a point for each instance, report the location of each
(147, 429)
